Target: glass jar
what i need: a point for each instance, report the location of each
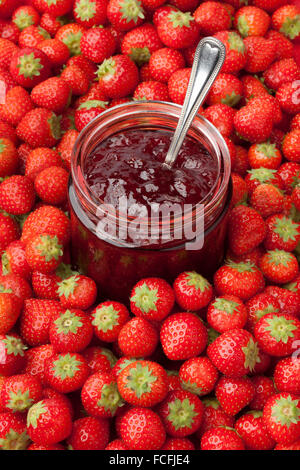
(116, 263)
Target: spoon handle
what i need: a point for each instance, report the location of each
(209, 58)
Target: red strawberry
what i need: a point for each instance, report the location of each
(221, 116)
(282, 233)
(182, 336)
(100, 396)
(53, 94)
(178, 83)
(152, 298)
(178, 443)
(277, 334)
(246, 230)
(17, 103)
(258, 306)
(234, 393)
(267, 200)
(51, 23)
(29, 67)
(65, 146)
(44, 253)
(288, 300)
(49, 421)
(181, 413)
(235, 353)
(56, 8)
(143, 383)
(76, 78)
(284, 47)
(70, 331)
(142, 429)
(260, 53)
(66, 372)
(212, 17)
(14, 260)
(253, 431)
(164, 62)
(138, 338)
(258, 176)
(13, 435)
(97, 44)
(12, 354)
(226, 313)
(25, 16)
(77, 292)
(221, 438)
(213, 416)
(279, 266)
(281, 72)
(264, 389)
(286, 20)
(87, 111)
(39, 127)
(36, 359)
(198, 375)
(287, 375)
(140, 43)
(32, 36)
(10, 308)
(70, 34)
(192, 291)
(15, 284)
(39, 159)
(290, 146)
(20, 392)
(178, 30)
(227, 89)
(90, 13)
(99, 359)
(235, 51)
(8, 158)
(125, 14)
(239, 190)
(7, 50)
(254, 121)
(17, 195)
(51, 185)
(264, 155)
(251, 21)
(36, 319)
(108, 319)
(56, 51)
(282, 417)
(118, 76)
(89, 433)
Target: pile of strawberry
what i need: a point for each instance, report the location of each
(193, 365)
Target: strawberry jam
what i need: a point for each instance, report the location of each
(129, 164)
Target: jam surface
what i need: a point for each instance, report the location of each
(130, 164)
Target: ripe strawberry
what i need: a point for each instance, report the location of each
(198, 375)
(140, 43)
(17, 103)
(53, 94)
(235, 51)
(56, 51)
(39, 159)
(20, 392)
(32, 36)
(143, 383)
(279, 266)
(295, 122)
(178, 83)
(260, 53)
(66, 372)
(51, 23)
(10, 31)
(226, 313)
(287, 98)
(287, 375)
(291, 145)
(254, 121)
(296, 197)
(44, 253)
(138, 338)
(36, 359)
(264, 155)
(164, 62)
(87, 111)
(124, 15)
(70, 331)
(10, 308)
(118, 76)
(108, 319)
(7, 50)
(142, 429)
(55, 8)
(49, 421)
(99, 359)
(90, 13)
(8, 158)
(152, 298)
(192, 291)
(212, 17)
(17, 195)
(213, 416)
(282, 417)
(13, 435)
(277, 334)
(181, 413)
(239, 190)
(284, 47)
(116, 444)
(178, 443)
(227, 89)
(253, 431)
(45, 285)
(234, 393)
(29, 67)
(65, 146)
(15, 284)
(221, 116)
(221, 438)
(234, 353)
(178, 30)
(25, 16)
(76, 79)
(70, 34)
(258, 306)
(7, 7)
(47, 219)
(264, 389)
(14, 260)
(251, 21)
(286, 20)
(7, 81)
(39, 128)
(51, 185)
(258, 176)
(246, 230)
(97, 44)
(77, 292)
(282, 233)
(12, 354)
(288, 300)
(100, 396)
(36, 319)
(267, 200)
(7, 131)
(281, 72)
(89, 433)
(182, 336)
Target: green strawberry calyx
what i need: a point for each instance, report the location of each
(251, 352)
(264, 311)
(105, 318)
(125, 363)
(225, 305)
(49, 247)
(180, 19)
(85, 9)
(181, 413)
(291, 27)
(243, 26)
(212, 335)
(231, 100)
(110, 398)
(14, 440)
(65, 270)
(44, 33)
(51, 2)
(279, 257)
(5, 290)
(236, 43)
(280, 328)
(91, 104)
(140, 379)
(191, 387)
(267, 149)
(54, 124)
(34, 414)
(67, 286)
(131, 10)
(2, 146)
(14, 346)
(23, 20)
(72, 41)
(19, 401)
(107, 69)
(29, 66)
(145, 298)
(66, 366)
(286, 228)
(140, 55)
(196, 280)
(67, 322)
(242, 267)
(213, 402)
(286, 411)
(262, 175)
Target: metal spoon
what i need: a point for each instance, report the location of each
(209, 58)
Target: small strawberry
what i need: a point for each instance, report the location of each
(284, 47)
(16, 284)
(198, 375)
(14, 260)
(55, 8)
(66, 372)
(36, 319)
(87, 111)
(264, 155)
(221, 438)
(77, 292)
(70, 34)
(291, 145)
(39, 159)
(181, 413)
(281, 72)
(235, 51)
(17, 103)
(89, 13)
(20, 392)
(239, 190)
(10, 308)
(100, 396)
(17, 195)
(97, 44)
(51, 23)
(222, 117)
(254, 121)
(288, 300)
(282, 417)
(99, 359)
(192, 291)
(152, 298)
(56, 51)
(264, 389)
(286, 19)
(47, 219)
(287, 98)
(125, 15)
(32, 36)
(267, 200)
(29, 67)
(89, 433)
(25, 16)
(178, 30)
(39, 128)
(234, 393)
(182, 336)
(76, 78)
(12, 354)
(212, 17)
(53, 94)
(227, 89)
(258, 176)
(277, 334)
(44, 253)
(138, 338)
(246, 229)
(282, 233)
(213, 416)
(49, 421)
(143, 383)
(279, 266)
(253, 431)
(258, 306)
(260, 53)
(7, 50)
(36, 359)
(13, 435)
(118, 76)
(140, 44)
(108, 319)
(226, 313)
(251, 21)
(178, 83)
(51, 185)
(70, 331)
(142, 429)
(287, 375)
(66, 145)
(9, 231)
